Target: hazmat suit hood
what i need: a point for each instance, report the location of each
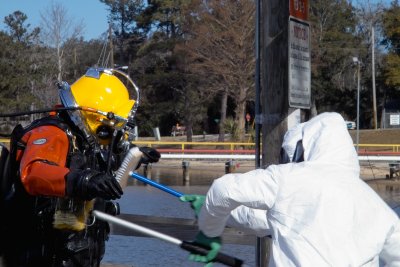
(292, 136)
(326, 139)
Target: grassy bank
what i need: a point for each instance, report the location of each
(379, 136)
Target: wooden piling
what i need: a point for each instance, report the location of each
(185, 171)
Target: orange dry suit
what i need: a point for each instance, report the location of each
(41, 156)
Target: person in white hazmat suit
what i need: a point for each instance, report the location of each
(318, 212)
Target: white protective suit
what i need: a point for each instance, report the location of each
(318, 212)
(254, 221)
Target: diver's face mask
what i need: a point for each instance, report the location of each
(104, 132)
(298, 155)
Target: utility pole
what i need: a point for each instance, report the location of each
(285, 80)
(75, 62)
(358, 105)
(111, 46)
(373, 76)
(258, 88)
(357, 62)
(262, 243)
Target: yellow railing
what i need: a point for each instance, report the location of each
(242, 145)
(377, 147)
(231, 145)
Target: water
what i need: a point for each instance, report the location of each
(141, 251)
(390, 194)
(147, 200)
(200, 172)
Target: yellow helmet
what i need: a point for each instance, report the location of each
(107, 94)
(102, 98)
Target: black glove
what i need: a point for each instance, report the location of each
(89, 184)
(150, 155)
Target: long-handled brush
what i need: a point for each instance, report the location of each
(189, 246)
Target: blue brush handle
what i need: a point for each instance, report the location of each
(157, 185)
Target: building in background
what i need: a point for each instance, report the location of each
(391, 115)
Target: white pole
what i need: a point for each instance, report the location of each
(358, 104)
(135, 227)
(373, 78)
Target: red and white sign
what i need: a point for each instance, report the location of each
(299, 9)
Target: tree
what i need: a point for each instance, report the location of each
(22, 63)
(123, 17)
(334, 42)
(166, 16)
(58, 29)
(369, 18)
(391, 32)
(161, 70)
(17, 28)
(155, 68)
(193, 97)
(14, 79)
(83, 55)
(220, 45)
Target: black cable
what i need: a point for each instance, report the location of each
(16, 114)
(110, 152)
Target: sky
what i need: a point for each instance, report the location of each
(93, 13)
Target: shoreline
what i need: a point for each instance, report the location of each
(369, 171)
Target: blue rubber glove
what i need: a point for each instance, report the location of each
(196, 202)
(214, 245)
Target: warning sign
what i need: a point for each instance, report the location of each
(299, 9)
(299, 64)
(394, 119)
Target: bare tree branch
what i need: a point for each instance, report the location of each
(58, 28)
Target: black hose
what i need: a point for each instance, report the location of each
(16, 114)
(22, 113)
(110, 152)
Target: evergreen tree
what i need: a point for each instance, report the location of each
(391, 32)
(17, 63)
(123, 16)
(18, 30)
(335, 42)
(161, 70)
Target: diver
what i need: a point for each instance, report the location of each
(64, 165)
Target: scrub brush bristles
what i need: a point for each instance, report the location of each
(67, 221)
(72, 214)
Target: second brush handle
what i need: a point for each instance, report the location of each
(155, 184)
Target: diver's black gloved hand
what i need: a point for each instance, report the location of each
(89, 184)
(150, 155)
